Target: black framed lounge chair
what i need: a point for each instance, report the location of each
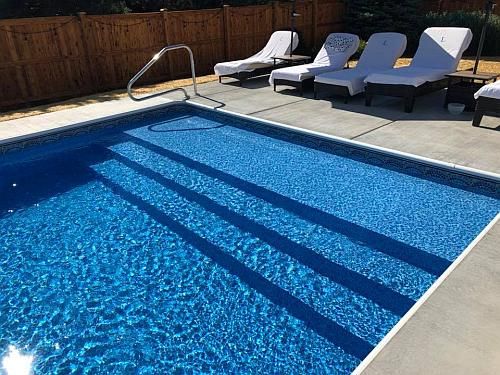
(439, 52)
(381, 52)
(488, 102)
(333, 55)
(262, 62)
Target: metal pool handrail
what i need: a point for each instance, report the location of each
(151, 63)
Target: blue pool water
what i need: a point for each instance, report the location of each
(184, 241)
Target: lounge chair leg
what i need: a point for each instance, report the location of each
(274, 86)
(478, 116)
(409, 103)
(301, 89)
(315, 92)
(220, 79)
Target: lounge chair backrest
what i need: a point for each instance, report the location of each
(442, 48)
(382, 50)
(337, 49)
(278, 44)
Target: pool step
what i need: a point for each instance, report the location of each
(331, 300)
(291, 220)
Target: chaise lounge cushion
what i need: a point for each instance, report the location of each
(407, 75)
(353, 79)
(278, 44)
(491, 90)
(334, 54)
(439, 52)
(381, 52)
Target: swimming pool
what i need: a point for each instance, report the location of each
(185, 240)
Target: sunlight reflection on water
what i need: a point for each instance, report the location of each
(16, 363)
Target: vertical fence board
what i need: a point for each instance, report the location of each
(249, 29)
(121, 44)
(203, 32)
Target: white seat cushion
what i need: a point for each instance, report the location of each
(439, 52)
(353, 79)
(278, 44)
(299, 73)
(334, 54)
(407, 75)
(442, 48)
(491, 90)
(237, 66)
(381, 52)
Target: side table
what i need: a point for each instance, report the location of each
(463, 84)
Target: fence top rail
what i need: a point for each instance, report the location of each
(124, 15)
(35, 20)
(192, 11)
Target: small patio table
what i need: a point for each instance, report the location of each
(463, 84)
(292, 60)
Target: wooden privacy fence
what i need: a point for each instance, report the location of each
(44, 59)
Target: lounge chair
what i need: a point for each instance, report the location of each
(381, 52)
(333, 55)
(439, 52)
(260, 63)
(488, 102)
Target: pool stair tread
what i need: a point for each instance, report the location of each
(378, 293)
(314, 320)
(426, 261)
(359, 257)
(348, 309)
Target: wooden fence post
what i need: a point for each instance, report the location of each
(227, 35)
(164, 12)
(314, 24)
(275, 15)
(83, 22)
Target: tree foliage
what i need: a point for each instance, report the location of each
(36, 8)
(365, 17)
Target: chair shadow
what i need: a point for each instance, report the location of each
(253, 83)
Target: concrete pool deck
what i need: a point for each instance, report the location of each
(456, 330)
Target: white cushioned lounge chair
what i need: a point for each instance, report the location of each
(381, 52)
(439, 52)
(488, 102)
(260, 63)
(333, 55)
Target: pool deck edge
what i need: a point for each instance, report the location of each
(401, 323)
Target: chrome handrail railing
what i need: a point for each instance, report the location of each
(151, 63)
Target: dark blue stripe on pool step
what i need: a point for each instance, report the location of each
(320, 324)
(380, 294)
(430, 263)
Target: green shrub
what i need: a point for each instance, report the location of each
(474, 21)
(365, 17)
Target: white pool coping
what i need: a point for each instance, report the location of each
(403, 155)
